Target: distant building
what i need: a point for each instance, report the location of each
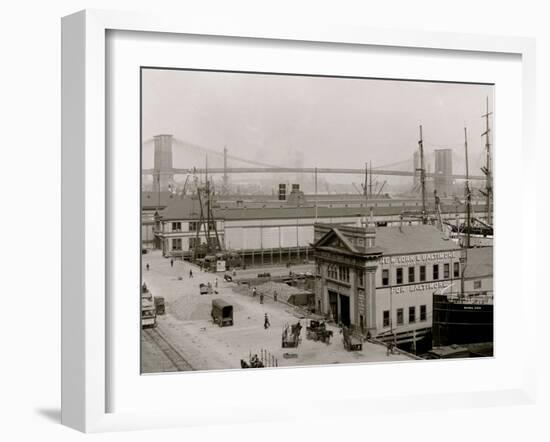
(381, 281)
(273, 232)
(443, 171)
(151, 203)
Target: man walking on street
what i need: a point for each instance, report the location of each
(261, 298)
(190, 273)
(147, 266)
(275, 296)
(266, 322)
(171, 262)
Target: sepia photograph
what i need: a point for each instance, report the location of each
(303, 220)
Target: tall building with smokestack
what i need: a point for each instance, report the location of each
(443, 171)
(163, 176)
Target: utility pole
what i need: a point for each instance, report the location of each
(422, 176)
(467, 193)
(487, 169)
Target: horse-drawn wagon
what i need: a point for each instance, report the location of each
(291, 335)
(351, 342)
(317, 331)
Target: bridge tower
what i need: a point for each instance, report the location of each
(163, 176)
(443, 171)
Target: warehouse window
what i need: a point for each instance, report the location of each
(176, 227)
(477, 284)
(193, 226)
(436, 272)
(422, 312)
(422, 273)
(399, 275)
(411, 274)
(412, 315)
(446, 270)
(386, 322)
(385, 277)
(456, 269)
(400, 316)
(176, 244)
(194, 242)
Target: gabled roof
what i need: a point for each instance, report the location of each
(328, 240)
(334, 240)
(152, 200)
(396, 240)
(413, 239)
(187, 208)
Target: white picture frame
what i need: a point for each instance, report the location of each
(85, 214)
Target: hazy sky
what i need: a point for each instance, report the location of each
(334, 122)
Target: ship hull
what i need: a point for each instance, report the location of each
(461, 322)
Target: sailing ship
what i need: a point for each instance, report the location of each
(465, 317)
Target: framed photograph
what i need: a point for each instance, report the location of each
(253, 211)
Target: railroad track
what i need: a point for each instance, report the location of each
(168, 349)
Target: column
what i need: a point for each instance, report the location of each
(370, 296)
(353, 297)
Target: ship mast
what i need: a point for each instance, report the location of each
(422, 177)
(487, 169)
(467, 193)
(207, 207)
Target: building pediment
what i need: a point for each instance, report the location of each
(336, 240)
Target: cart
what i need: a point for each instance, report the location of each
(204, 289)
(222, 313)
(317, 331)
(291, 335)
(159, 305)
(351, 342)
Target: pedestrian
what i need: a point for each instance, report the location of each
(275, 296)
(190, 273)
(234, 272)
(147, 266)
(171, 262)
(216, 283)
(261, 298)
(266, 322)
(254, 292)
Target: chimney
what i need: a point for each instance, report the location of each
(370, 237)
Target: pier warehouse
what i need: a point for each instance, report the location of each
(273, 232)
(380, 281)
